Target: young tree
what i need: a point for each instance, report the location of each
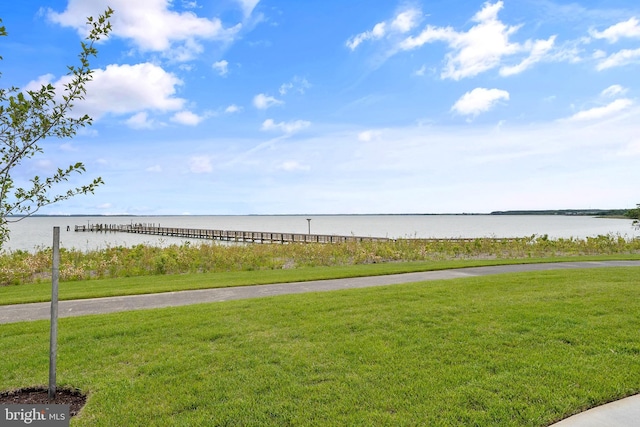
(27, 118)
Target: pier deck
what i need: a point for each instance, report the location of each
(253, 236)
(224, 235)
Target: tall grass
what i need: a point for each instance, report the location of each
(21, 267)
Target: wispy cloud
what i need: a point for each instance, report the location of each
(601, 112)
(297, 84)
(486, 45)
(248, 6)
(626, 29)
(483, 47)
(619, 59)
(614, 90)
(262, 101)
(538, 51)
(402, 23)
(286, 127)
(233, 108)
(629, 29)
(221, 67)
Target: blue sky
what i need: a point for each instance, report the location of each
(350, 106)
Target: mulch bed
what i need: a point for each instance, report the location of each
(40, 396)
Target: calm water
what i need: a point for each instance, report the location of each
(33, 233)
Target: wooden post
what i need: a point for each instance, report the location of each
(53, 341)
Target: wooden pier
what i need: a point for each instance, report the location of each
(224, 235)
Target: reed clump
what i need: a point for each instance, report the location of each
(22, 267)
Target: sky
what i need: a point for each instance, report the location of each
(237, 107)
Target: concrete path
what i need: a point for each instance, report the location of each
(622, 413)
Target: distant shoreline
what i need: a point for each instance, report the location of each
(619, 213)
(606, 213)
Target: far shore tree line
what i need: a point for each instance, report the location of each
(635, 215)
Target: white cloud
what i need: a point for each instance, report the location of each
(187, 118)
(619, 59)
(406, 21)
(614, 90)
(626, 29)
(403, 22)
(286, 127)
(482, 47)
(222, 67)
(601, 112)
(479, 100)
(125, 89)
(35, 85)
(262, 101)
(150, 25)
(233, 108)
(200, 164)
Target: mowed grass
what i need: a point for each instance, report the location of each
(519, 349)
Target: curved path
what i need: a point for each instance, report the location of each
(625, 412)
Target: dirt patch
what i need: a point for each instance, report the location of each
(40, 396)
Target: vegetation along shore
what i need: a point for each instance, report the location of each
(21, 267)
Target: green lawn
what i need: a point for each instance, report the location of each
(39, 292)
(518, 349)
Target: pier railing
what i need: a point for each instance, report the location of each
(251, 236)
(224, 235)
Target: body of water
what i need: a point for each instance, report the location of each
(37, 232)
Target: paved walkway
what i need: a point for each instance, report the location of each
(622, 413)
